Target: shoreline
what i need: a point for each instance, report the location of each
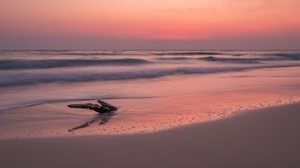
(144, 105)
(185, 120)
(266, 137)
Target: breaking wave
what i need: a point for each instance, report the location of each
(45, 64)
(290, 56)
(23, 78)
(190, 53)
(253, 59)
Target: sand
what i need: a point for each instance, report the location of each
(266, 138)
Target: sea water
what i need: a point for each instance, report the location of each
(154, 90)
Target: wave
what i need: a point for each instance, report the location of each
(45, 64)
(290, 56)
(214, 58)
(231, 57)
(79, 53)
(238, 60)
(175, 58)
(63, 52)
(233, 60)
(110, 52)
(190, 53)
(23, 78)
(273, 57)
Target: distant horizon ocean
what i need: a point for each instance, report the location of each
(36, 85)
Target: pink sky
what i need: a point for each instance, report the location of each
(150, 24)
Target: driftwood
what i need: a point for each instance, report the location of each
(105, 111)
(104, 108)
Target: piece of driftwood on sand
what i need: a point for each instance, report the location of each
(105, 111)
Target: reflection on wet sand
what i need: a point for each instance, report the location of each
(100, 118)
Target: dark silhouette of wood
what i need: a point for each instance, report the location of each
(103, 103)
(105, 111)
(104, 108)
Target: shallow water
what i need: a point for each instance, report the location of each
(154, 90)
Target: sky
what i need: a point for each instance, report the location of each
(150, 24)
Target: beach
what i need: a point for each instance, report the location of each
(267, 137)
(175, 108)
(150, 84)
(153, 90)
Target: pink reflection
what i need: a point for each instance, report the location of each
(159, 104)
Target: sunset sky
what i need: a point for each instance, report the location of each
(150, 24)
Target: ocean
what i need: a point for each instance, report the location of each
(154, 90)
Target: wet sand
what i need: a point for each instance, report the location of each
(145, 105)
(261, 138)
